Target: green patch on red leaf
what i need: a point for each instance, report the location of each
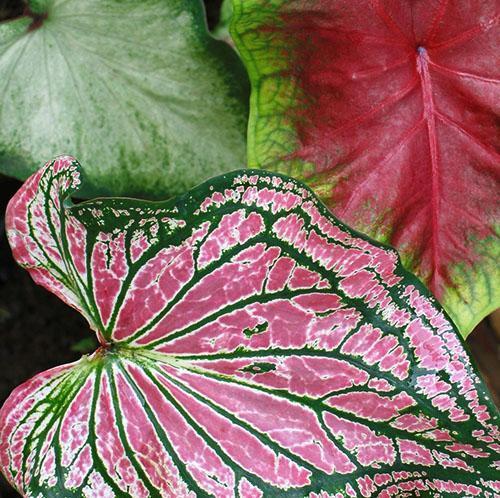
(141, 85)
(251, 346)
(389, 111)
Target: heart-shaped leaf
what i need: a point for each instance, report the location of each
(389, 110)
(141, 85)
(252, 346)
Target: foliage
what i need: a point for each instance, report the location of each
(141, 85)
(389, 111)
(251, 345)
(221, 31)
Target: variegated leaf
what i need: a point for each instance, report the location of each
(389, 111)
(139, 84)
(251, 346)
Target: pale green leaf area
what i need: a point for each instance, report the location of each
(140, 85)
(221, 31)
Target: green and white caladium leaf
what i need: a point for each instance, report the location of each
(141, 85)
(389, 111)
(251, 346)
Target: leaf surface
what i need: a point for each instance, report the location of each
(389, 111)
(141, 85)
(251, 345)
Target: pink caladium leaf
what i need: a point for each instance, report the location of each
(389, 110)
(251, 346)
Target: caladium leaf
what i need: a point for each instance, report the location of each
(251, 345)
(389, 110)
(141, 85)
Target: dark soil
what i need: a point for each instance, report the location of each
(38, 331)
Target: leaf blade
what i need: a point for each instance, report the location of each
(323, 357)
(390, 122)
(78, 85)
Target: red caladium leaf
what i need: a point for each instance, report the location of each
(389, 110)
(251, 345)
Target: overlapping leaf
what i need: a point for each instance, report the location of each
(389, 110)
(252, 346)
(141, 85)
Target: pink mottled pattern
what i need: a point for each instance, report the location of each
(33, 226)
(251, 346)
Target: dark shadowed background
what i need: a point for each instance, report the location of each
(38, 331)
